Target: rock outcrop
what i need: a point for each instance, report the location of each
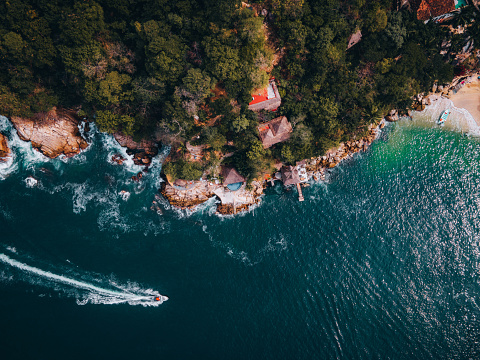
(53, 133)
(392, 116)
(197, 193)
(4, 149)
(142, 151)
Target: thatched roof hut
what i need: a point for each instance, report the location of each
(231, 176)
(274, 131)
(290, 175)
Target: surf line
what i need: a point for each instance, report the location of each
(120, 296)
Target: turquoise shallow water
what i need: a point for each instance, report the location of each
(380, 262)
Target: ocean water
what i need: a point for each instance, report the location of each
(381, 261)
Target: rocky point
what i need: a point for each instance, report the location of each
(53, 133)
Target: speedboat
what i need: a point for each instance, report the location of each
(443, 117)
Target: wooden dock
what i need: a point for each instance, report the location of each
(300, 195)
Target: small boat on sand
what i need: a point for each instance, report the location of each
(443, 117)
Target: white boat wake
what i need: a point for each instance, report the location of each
(94, 294)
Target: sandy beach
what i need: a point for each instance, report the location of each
(468, 98)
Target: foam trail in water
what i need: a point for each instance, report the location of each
(95, 294)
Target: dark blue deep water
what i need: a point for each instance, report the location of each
(380, 262)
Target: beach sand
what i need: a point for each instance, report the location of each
(468, 98)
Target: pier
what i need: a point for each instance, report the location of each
(300, 195)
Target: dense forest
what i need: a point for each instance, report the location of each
(184, 70)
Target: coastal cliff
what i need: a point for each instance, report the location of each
(53, 133)
(4, 149)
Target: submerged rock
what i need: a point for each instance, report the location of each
(118, 159)
(4, 149)
(53, 133)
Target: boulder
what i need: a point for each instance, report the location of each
(4, 149)
(53, 133)
(118, 159)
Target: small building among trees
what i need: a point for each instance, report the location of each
(266, 99)
(275, 131)
(231, 178)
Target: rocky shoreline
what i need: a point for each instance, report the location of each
(317, 167)
(57, 132)
(194, 193)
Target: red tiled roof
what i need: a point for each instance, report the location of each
(259, 96)
(261, 101)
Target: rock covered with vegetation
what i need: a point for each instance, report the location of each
(53, 133)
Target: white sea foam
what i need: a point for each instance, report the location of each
(21, 150)
(236, 254)
(31, 182)
(12, 249)
(9, 166)
(87, 292)
(112, 148)
(125, 195)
